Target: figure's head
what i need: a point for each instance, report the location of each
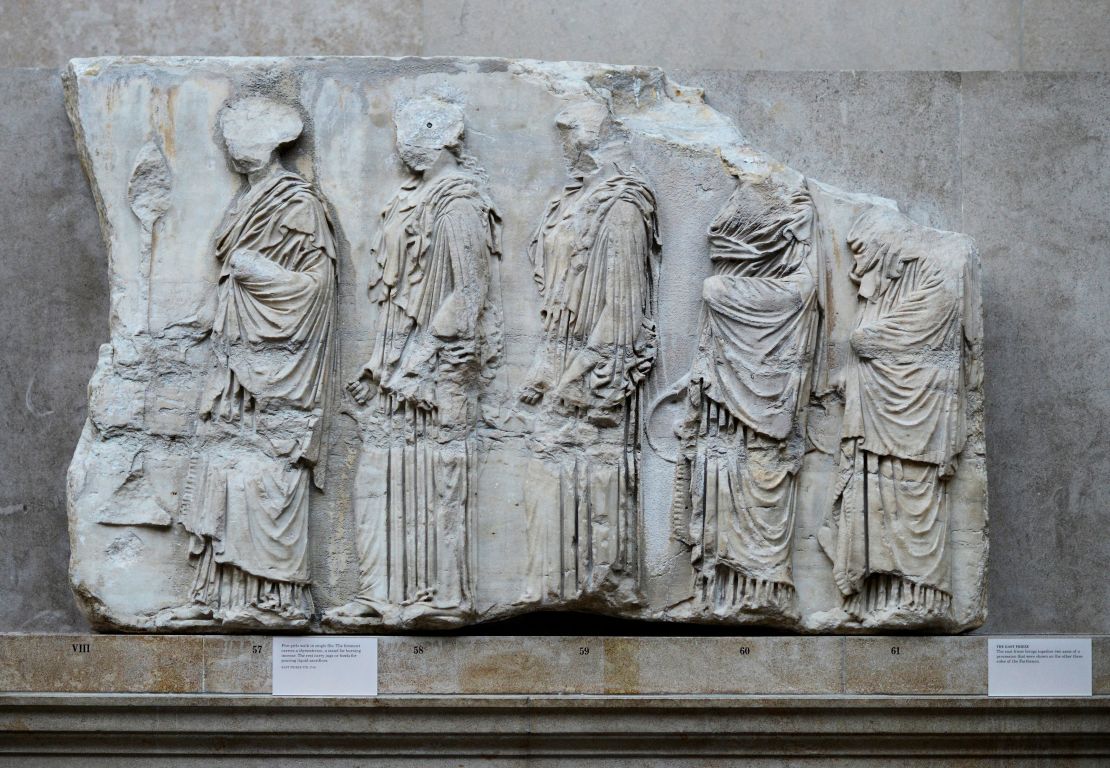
(877, 228)
(762, 203)
(878, 241)
(583, 125)
(253, 128)
(426, 126)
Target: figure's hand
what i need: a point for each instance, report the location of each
(244, 261)
(458, 354)
(423, 398)
(975, 372)
(847, 453)
(362, 388)
(864, 343)
(603, 374)
(415, 390)
(529, 395)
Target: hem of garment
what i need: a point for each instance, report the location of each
(226, 586)
(728, 588)
(884, 592)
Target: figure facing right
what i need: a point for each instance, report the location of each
(915, 353)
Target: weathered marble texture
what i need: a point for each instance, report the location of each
(129, 557)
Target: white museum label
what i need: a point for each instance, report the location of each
(1039, 666)
(325, 666)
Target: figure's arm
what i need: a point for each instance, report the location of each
(731, 294)
(627, 280)
(253, 270)
(460, 238)
(302, 223)
(282, 302)
(911, 323)
(973, 322)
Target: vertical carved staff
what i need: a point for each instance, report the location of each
(866, 522)
(148, 192)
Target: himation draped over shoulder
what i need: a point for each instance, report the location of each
(273, 354)
(918, 320)
(428, 271)
(914, 352)
(742, 438)
(760, 319)
(595, 260)
(290, 310)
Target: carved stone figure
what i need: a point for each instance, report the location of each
(595, 260)
(915, 349)
(415, 495)
(742, 437)
(259, 444)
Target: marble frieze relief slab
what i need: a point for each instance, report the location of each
(419, 343)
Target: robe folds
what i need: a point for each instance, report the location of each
(260, 441)
(742, 439)
(437, 329)
(904, 416)
(594, 258)
(431, 277)
(760, 317)
(595, 261)
(905, 383)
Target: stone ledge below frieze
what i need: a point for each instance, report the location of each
(472, 665)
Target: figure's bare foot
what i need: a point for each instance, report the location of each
(259, 617)
(192, 611)
(355, 614)
(528, 598)
(424, 615)
(188, 615)
(355, 609)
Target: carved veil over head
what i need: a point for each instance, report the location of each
(914, 350)
(742, 437)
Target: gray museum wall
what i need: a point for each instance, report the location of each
(955, 35)
(1021, 161)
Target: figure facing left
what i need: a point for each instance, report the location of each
(259, 446)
